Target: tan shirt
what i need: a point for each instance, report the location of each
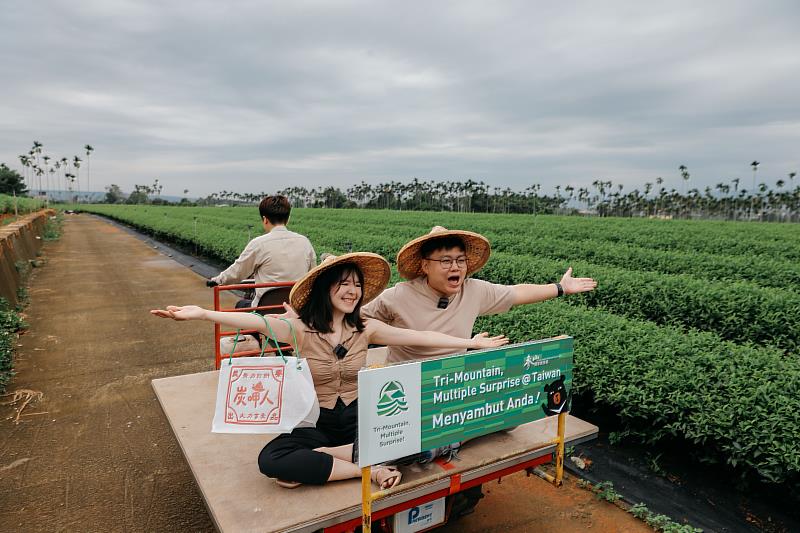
(280, 255)
(413, 305)
(333, 377)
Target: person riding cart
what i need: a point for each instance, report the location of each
(278, 255)
(440, 295)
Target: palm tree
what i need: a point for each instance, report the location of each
(64, 163)
(36, 151)
(57, 168)
(38, 171)
(70, 177)
(569, 189)
(46, 160)
(684, 174)
(76, 163)
(52, 172)
(89, 151)
(535, 190)
(754, 164)
(659, 181)
(25, 162)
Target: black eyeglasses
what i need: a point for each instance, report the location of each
(447, 262)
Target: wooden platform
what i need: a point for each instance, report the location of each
(240, 498)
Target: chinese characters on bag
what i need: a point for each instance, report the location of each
(254, 395)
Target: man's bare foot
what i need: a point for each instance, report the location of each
(385, 476)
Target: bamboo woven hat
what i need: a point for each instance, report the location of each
(375, 269)
(409, 258)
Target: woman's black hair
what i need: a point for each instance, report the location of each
(317, 313)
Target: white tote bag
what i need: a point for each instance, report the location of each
(265, 395)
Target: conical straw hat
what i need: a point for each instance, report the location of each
(375, 269)
(409, 258)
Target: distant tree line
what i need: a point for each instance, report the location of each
(724, 201)
(142, 194)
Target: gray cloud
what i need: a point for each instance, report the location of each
(251, 97)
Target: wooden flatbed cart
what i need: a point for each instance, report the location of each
(240, 498)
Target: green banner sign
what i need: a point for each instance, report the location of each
(411, 407)
(476, 394)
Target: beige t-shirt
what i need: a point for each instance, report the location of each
(413, 305)
(280, 255)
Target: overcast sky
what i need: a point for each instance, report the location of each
(257, 96)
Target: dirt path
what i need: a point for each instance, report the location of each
(102, 457)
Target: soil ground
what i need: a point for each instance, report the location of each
(96, 453)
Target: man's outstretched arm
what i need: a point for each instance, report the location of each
(529, 293)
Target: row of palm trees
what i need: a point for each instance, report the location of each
(62, 172)
(726, 200)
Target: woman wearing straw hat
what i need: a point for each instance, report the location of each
(439, 294)
(333, 337)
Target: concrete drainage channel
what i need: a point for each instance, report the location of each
(666, 483)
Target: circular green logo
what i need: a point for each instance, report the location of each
(392, 399)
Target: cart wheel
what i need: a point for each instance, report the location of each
(464, 502)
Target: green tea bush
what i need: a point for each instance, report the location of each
(761, 270)
(736, 311)
(735, 404)
(24, 204)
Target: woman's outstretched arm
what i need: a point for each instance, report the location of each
(229, 319)
(380, 333)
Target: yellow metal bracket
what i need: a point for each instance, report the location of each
(557, 480)
(366, 500)
(366, 490)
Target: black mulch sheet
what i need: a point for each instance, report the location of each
(672, 483)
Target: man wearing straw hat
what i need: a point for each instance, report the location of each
(440, 296)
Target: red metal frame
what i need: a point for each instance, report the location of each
(218, 333)
(458, 485)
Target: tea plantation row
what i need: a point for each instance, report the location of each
(639, 348)
(553, 237)
(737, 311)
